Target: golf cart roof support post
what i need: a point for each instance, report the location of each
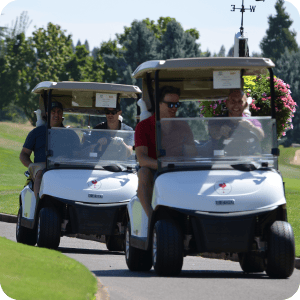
(48, 125)
(272, 93)
(157, 119)
(150, 91)
(138, 109)
(45, 100)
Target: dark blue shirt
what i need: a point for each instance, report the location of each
(36, 141)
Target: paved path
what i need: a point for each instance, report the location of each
(201, 278)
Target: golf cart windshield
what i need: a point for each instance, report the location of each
(95, 149)
(221, 142)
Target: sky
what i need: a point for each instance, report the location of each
(98, 20)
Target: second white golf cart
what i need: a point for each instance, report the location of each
(86, 185)
(219, 194)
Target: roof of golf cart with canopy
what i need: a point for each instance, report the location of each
(85, 97)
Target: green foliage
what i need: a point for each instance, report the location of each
(288, 68)
(278, 35)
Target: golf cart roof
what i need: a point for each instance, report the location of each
(67, 87)
(195, 77)
(85, 97)
(203, 66)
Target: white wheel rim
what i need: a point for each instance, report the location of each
(154, 248)
(127, 244)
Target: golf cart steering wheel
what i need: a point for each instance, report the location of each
(243, 142)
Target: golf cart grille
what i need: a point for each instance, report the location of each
(90, 219)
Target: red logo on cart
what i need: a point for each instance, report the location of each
(223, 188)
(94, 184)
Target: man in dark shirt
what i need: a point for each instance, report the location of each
(36, 142)
(114, 122)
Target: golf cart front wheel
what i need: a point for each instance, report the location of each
(251, 263)
(48, 231)
(167, 248)
(136, 259)
(24, 235)
(281, 250)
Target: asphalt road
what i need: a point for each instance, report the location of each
(201, 278)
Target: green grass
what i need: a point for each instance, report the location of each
(35, 273)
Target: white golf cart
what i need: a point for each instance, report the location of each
(86, 185)
(217, 194)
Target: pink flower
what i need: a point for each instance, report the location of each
(283, 134)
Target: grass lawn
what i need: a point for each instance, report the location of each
(36, 273)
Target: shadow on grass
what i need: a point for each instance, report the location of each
(88, 251)
(184, 274)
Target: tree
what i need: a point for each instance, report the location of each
(222, 51)
(288, 69)
(231, 52)
(178, 44)
(278, 35)
(79, 67)
(29, 61)
(78, 43)
(87, 46)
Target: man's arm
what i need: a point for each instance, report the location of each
(25, 157)
(143, 158)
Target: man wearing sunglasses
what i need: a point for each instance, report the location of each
(145, 145)
(114, 122)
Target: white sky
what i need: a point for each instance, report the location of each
(98, 20)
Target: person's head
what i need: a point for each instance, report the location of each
(56, 115)
(236, 103)
(169, 101)
(112, 114)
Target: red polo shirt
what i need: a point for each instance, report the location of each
(145, 135)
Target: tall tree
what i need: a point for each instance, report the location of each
(278, 35)
(288, 69)
(178, 44)
(87, 46)
(78, 43)
(222, 51)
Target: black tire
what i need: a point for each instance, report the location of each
(25, 235)
(167, 248)
(136, 259)
(251, 263)
(281, 250)
(48, 231)
(115, 242)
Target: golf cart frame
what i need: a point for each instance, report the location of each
(246, 232)
(81, 215)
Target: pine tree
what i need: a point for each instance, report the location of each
(231, 52)
(78, 43)
(278, 35)
(87, 46)
(222, 51)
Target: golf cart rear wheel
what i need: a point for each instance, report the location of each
(24, 235)
(48, 231)
(251, 263)
(281, 250)
(167, 248)
(115, 242)
(136, 259)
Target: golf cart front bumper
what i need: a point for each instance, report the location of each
(228, 232)
(91, 218)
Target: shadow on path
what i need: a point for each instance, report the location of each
(88, 251)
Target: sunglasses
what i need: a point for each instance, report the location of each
(112, 112)
(172, 104)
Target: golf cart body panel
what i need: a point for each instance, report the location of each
(219, 190)
(90, 173)
(89, 186)
(215, 190)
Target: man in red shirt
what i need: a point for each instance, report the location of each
(145, 146)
